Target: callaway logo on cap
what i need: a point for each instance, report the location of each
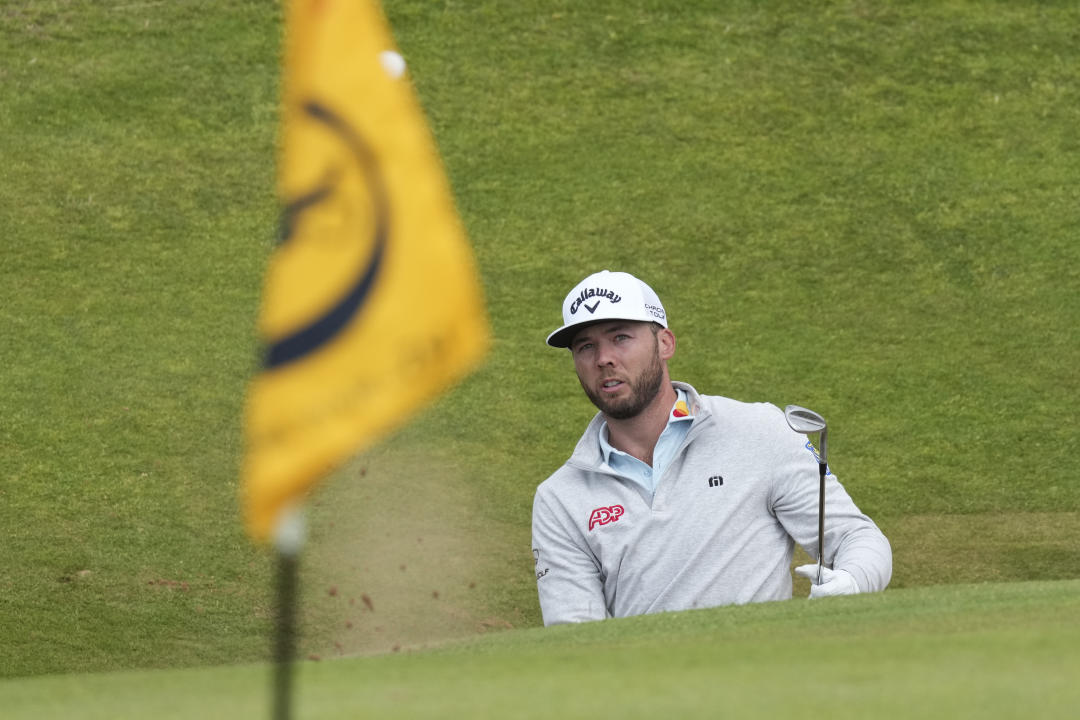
(607, 295)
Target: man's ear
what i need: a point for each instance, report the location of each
(666, 341)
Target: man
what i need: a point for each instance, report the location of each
(674, 500)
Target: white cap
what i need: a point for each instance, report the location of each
(607, 296)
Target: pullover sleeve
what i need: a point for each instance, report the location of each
(853, 542)
(568, 576)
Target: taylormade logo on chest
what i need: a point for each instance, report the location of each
(590, 293)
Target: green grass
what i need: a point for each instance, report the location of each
(989, 651)
(138, 209)
(864, 208)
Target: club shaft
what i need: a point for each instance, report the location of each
(821, 519)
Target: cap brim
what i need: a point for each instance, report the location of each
(561, 338)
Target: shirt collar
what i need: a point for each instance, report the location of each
(680, 412)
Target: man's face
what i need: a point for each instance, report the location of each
(619, 365)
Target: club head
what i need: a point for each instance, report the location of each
(805, 422)
(802, 420)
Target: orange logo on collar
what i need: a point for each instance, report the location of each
(680, 410)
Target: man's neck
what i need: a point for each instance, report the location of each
(637, 435)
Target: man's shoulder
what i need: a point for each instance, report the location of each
(565, 478)
(726, 407)
(586, 454)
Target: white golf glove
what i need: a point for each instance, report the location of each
(833, 582)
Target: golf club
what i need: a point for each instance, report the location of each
(807, 422)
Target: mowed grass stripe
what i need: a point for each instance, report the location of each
(988, 651)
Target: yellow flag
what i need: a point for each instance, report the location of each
(371, 303)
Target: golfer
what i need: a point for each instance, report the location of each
(675, 500)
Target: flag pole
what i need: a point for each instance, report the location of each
(288, 541)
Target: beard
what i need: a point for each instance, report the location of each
(643, 389)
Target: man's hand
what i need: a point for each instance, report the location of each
(833, 582)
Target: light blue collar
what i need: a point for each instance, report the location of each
(629, 467)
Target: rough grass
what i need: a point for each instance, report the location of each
(137, 206)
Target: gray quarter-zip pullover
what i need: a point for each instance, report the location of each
(720, 529)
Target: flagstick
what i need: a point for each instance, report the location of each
(288, 540)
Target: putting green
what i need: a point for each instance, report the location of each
(987, 651)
